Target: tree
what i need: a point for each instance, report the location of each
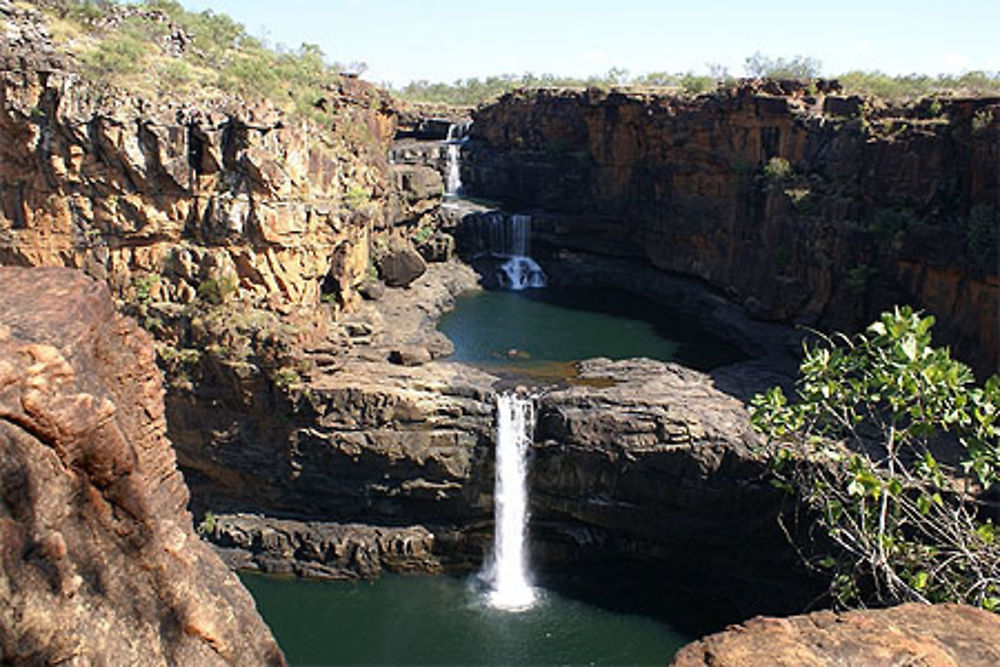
(797, 67)
(891, 444)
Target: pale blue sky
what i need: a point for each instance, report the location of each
(443, 40)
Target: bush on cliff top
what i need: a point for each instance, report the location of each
(206, 52)
(890, 445)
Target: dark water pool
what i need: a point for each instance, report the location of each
(560, 324)
(444, 621)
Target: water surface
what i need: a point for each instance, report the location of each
(445, 621)
(563, 324)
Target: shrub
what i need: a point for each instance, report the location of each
(858, 277)
(356, 196)
(208, 523)
(982, 237)
(981, 120)
(862, 447)
(285, 377)
(797, 67)
(217, 291)
(777, 169)
(120, 55)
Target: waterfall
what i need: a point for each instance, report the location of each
(458, 133)
(508, 238)
(508, 574)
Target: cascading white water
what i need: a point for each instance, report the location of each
(508, 572)
(509, 237)
(519, 273)
(457, 135)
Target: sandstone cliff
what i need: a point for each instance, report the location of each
(163, 197)
(805, 208)
(100, 563)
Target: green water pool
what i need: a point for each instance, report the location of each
(560, 324)
(443, 620)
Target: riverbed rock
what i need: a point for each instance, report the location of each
(410, 355)
(944, 635)
(100, 561)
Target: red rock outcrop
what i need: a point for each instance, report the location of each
(100, 564)
(177, 193)
(804, 208)
(946, 635)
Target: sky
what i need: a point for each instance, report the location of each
(445, 40)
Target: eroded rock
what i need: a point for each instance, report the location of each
(99, 558)
(945, 635)
(322, 550)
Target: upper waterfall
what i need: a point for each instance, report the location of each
(458, 134)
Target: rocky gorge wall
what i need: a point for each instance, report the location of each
(803, 206)
(162, 197)
(99, 559)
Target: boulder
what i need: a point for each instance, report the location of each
(100, 562)
(945, 635)
(410, 355)
(400, 265)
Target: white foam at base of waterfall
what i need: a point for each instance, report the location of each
(520, 272)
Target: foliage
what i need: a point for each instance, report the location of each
(891, 221)
(858, 277)
(122, 54)
(777, 169)
(122, 44)
(798, 67)
(473, 91)
(982, 237)
(216, 291)
(866, 448)
(981, 120)
(208, 523)
(356, 196)
(285, 377)
(912, 86)
(423, 234)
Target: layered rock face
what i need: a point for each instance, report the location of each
(946, 635)
(159, 199)
(650, 464)
(807, 208)
(100, 563)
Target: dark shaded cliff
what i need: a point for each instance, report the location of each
(804, 208)
(99, 560)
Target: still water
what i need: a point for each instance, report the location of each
(561, 324)
(442, 620)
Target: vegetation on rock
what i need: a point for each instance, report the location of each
(158, 48)
(891, 446)
(894, 88)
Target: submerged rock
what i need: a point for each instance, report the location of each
(100, 563)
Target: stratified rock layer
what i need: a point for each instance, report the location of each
(946, 635)
(321, 550)
(802, 208)
(99, 560)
